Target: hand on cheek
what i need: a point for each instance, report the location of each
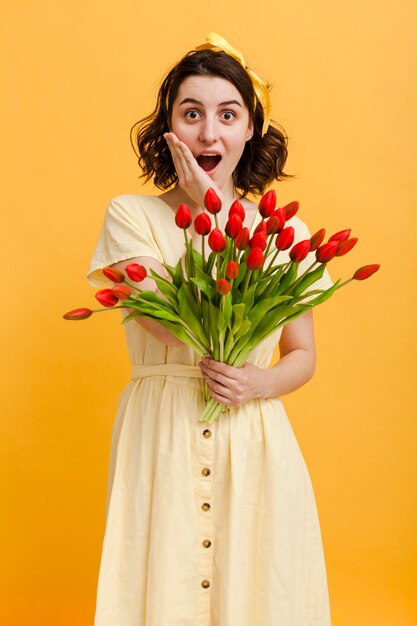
(191, 177)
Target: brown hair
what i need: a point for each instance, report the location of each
(263, 158)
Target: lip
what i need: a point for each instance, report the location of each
(215, 152)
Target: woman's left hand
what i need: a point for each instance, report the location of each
(233, 385)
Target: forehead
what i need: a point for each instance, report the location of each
(208, 89)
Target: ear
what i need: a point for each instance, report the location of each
(249, 132)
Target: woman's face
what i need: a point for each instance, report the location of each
(209, 115)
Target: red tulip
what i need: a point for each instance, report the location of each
(216, 240)
(327, 251)
(317, 239)
(237, 209)
(273, 225)
(233, 226)
(78, 314)
(114, 275)
(268, 203)
(202, 224)
(136, 272)
(261, 227)
(285, 239)
(282, 217)
(106, 298)
(183, 217)
(212, 201)
(255, 259)
(291, 209)
(223, 286)
(121, 292)
(232, 270)
(345, 246)
(366, 271)
(299, 252)
(342, 235)
(242, 240)
(258, 241)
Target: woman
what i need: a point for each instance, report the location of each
(206, 526)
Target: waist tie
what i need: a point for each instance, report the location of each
(166, 369)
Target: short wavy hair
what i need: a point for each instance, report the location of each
(263, 158)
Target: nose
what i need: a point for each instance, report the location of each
(209, 132)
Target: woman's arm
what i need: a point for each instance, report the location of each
(233, 386)
(156, 330)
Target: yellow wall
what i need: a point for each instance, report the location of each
(76, 76)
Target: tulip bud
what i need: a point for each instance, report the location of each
(232, 270)
(78, 314)
(291, 209)
(327, 251)
(233, 226)
(282, 217)
(299, 252)
(121, 292)
(268, 203)
(114, 275)
(342, 235)
(202, 224)
(237, 209)
(317, 239)
(183, 216)
(365, 272)
(223, 286)
(273, 225)
(258, 241)
(261, 227)
(136, 272)
(242, 240)
(345, 246)
(106, 298)
(285, 239)
(216, 240)
(255, 259)
(212, 201)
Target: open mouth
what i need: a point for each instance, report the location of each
(208, 162)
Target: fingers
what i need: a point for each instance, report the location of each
(227, 384)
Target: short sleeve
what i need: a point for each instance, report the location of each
(301, 233)
(126, 233)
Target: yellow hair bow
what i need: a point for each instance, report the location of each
(261, 90)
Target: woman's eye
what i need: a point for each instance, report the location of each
(192, 114)
(228, 115)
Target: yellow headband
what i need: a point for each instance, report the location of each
(261, 90)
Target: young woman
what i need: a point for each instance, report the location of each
(206, 524)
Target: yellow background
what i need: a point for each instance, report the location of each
(76, 76)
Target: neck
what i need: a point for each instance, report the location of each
(227, 191)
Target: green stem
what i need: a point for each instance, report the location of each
(246, 283)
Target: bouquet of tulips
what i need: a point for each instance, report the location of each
(224, 301)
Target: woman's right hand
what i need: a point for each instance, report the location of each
(191, 177)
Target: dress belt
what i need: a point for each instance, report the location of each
(166, 369)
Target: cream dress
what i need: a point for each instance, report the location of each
(206, 524)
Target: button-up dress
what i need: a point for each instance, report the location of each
(206, 524)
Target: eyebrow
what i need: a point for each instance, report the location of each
(195, 101)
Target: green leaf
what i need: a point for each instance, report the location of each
(325, 295)
(289, 277)
(204, 286)
(170, 269)
(309, 279)
(214, 329)
(198, 259)
(238, 313)
(227, 309)
(189, 312)
(179, 274)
